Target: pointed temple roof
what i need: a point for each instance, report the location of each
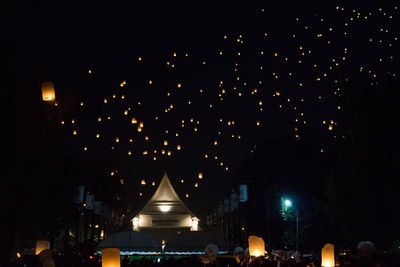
(165, 198)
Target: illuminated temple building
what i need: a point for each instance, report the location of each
(164, 225)
(165, 215)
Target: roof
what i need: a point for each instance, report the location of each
(165, 195)
(131, 241)
(195, 241)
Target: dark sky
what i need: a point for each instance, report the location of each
(308, 53)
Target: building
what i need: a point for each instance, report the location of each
(165, 215)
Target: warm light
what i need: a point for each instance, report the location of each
(256, 246)
(41, 245)
(143, 182)
(135, 221)
(48, 93)
(200, 175)
(195, 224)
(110, 257)
(165, 208)
(328, 256)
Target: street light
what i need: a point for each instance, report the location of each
(288, 203)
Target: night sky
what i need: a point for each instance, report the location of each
(209, 83)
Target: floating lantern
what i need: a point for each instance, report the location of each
(143, 182)
(165, 142)
(110, 257)
(200, 175)
(328, 256)
(41, 245)
(178, 147)
(48, 93)
(134, 121)
(256, 246)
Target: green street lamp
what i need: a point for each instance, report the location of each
(288, 203)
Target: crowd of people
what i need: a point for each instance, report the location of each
(366, 256)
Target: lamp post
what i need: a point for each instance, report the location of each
(288, 203)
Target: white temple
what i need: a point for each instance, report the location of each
(165, 215)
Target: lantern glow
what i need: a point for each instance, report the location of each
(256, 246)
(110, 257)
(328, 255)
(41, 245)
(48, 93)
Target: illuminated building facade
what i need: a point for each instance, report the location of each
(165, 215)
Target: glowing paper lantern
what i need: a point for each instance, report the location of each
(110, 257)
(200, 175)
(256, 246)
(48, 93)
(41, 245)
(328, 256)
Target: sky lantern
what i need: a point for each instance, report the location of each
(328, 256)
(143, 182)
(200, 175)
(110, 257)
(165, 142)
(256, 246)
(178, 147)
(48, 92)
(134, 121)
(41, 245)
